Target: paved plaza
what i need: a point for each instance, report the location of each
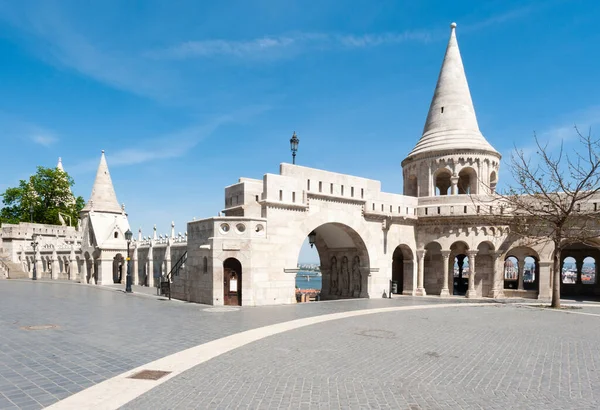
(59, 339)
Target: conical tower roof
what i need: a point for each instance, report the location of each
(103, 198)
(60, 165)
(451, 122)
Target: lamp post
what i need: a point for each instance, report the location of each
(34, 244)
(294, 146)
(128, 236)
(311, 238)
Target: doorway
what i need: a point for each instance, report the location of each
(232, 282)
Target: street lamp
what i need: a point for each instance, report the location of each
(311, 238)
(128, 236)
(294, 146)
(34, 244)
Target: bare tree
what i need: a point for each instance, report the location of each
(551, 199)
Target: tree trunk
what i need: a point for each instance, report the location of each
(556, 275)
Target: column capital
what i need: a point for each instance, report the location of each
(471, 253)
(497, 254)
(446, 254)
(420, 253)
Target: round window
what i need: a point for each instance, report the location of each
(240, 227)
(259, 229)
(224, 228)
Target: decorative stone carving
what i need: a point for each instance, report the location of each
(345, 274)
(333, 276)
(356, 277)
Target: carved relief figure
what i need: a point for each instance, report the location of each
(345, 280)
(333, 277)
(356, 277)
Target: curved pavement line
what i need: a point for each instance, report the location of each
(120, 390)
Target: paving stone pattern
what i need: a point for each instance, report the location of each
(102, 332)
(493, 357)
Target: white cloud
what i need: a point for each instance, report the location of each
(43, 138)
(282, 45)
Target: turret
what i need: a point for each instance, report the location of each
(452, 157)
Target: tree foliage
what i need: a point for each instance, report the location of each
(553, 198)
(46, 197)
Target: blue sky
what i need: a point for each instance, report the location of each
(188, 96)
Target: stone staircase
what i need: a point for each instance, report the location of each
(9, 269)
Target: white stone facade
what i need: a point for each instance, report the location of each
(365, 238)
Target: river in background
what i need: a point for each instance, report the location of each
(308, 280)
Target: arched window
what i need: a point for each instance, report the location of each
(205, 266)
(588, 271)
(467, 181)
(511, 273)
(569, 271)
(442, 181)
(116, 235)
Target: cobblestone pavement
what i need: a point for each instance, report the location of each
(59, 338)
(489, 357)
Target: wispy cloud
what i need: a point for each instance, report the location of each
(12, 127)
(171, 145)
(285, 44)
(44, 138)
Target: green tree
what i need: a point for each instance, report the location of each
(46, 195)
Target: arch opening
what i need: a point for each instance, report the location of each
(117, 268)
(467, 181)
(336, 266)
(402, 267)
(443, 182)
(232, 282)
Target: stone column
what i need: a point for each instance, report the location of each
(446, 261)
(420, 273)
(545, 280)
(150, 272)
(521, 267)
(579, 266)
(471, 292)
(498, 284)
(105, 272)
(134, 265)
(454, 184)
(55, 266)
(73, 267)
(37, 264)
(168, 259)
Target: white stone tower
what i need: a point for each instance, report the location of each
(452, 157)
(104, 224)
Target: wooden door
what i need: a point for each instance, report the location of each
(232, 287)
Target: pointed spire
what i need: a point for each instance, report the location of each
(451, 122)
(60, 165)
(103, 198)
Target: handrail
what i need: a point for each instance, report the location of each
(173, 272)
(5, 267)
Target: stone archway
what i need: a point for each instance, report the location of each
(118, 268)
(402, 265)
(344, 259)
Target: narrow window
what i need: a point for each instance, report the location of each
(381, 207)
(308, 185)
(465, 209)
(320, 186)
(399, 210)
(280, 195)
(362, 193)
(342, 190)
(331, 189)
(116, 234)
(595, 206)
(352, 192)
(491, 210)
(442, 110)
(406, 210)
(425, 211)
(478, 208)
(390, 209)
(373, 206)
(205, 264)
(439, 210)
(256, 198)
(293, 197)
